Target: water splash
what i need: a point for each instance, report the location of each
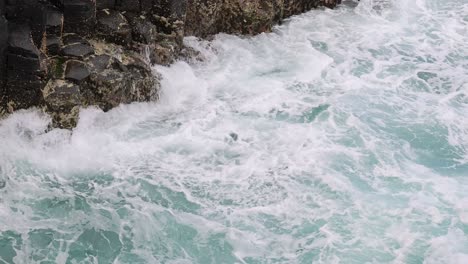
(341, 137)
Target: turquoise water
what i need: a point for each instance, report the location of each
(341, 137)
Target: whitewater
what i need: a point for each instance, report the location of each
(340, 137)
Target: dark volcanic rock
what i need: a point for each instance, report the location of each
(53, 30)
(76, 71)
(53, 45)
(161, 55)
(77, 50)
(99, 62)
(62, 101)
(105, 4)
(26, 64)
(119, 81)
(208, 17)
(128, 5)
(142, 29)
(72, 38)
(20, 41)
(114, 27)
(3, 47)
(79, 15)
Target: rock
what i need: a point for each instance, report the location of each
(56, 67)
(72, 38)
(99, 62)
(53, 30)
(26, 68)
(79, 16)
(3, 47)
(128, 5)
(2, 8)
(119, 81)
(46, 59)
(350, 3)
(234, 136)
(142, 29)
(76, 71)
(77, 50)
(208, 17)
(20, 41)
(26, 64)
(113, 27)
(53, 45)
(54, 21)
(146, 6)
(330, 3)
(161, 55)
(61, 94)
(23, 90)
(62, 101)
(105, 4)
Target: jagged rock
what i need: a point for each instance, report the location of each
(142, 29)
(53, 30)
(20, 41)
(76, 71)
(119, 81)
(53, 45)
(2, 7)
(56, 67)
(113, 27)
(128, 5)
(3, 47)
(146, 5)
(105, 4)
(99, 62)
(161, 55)
(72, 38)
(62, 101)
(77, 50)
(237, 17)
(79, 16)
(208, 17)
(25, 69)
(23, 89)
(26, 64)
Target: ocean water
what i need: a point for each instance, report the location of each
(341, 137)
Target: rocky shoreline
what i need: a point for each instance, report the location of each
(60, 55)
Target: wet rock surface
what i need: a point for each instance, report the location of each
(208, 17)
(62, 55)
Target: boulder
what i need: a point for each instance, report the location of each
(76, 71)
(128, 5)
(20, 41)
(113, 81)
(62, 101)
(77, 50)
(208, 17)
(98, 63)
(113, 26)
(79, 16)
(143, 30)
(72, 38)
(162, 55)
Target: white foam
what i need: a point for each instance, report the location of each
(340, 137)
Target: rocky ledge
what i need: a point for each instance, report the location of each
(60, 55)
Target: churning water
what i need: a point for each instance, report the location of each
(341, 137)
